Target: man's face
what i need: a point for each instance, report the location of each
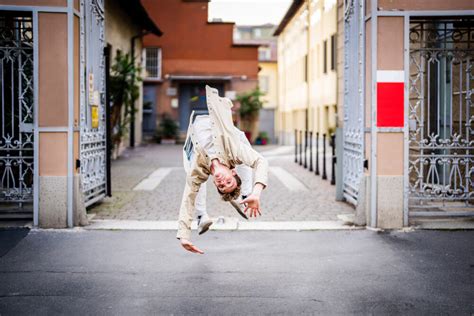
(224, 179)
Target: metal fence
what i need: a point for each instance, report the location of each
(304, 141)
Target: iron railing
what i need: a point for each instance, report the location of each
(303, 144)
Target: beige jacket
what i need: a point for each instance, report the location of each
(228, 149)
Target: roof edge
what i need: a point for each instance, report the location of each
(288, 16)
(139, 15)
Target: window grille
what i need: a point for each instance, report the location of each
(153, 62)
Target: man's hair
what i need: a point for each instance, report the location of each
(233, 195)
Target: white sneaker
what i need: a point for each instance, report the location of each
(204, 222)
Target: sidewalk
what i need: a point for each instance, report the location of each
(293, 194)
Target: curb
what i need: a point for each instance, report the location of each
(221, 224)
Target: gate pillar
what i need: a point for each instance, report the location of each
(57, 74)
(389, 147)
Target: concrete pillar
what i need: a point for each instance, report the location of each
(53, 119)
(390, 140)
(58, 119)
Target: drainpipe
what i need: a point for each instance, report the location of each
(132, 113)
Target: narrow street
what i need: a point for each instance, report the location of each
(148, 181)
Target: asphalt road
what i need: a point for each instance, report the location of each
(248, 273)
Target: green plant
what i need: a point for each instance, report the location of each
(167, 129)
(124, 91)
(250, 104)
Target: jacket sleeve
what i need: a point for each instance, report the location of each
(244, 171)
(254, 160)
(246, 174)
(194, 180)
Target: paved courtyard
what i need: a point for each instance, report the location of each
(293, 193)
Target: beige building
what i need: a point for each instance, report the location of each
(307, 77)
(262, 35)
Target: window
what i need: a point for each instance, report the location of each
(264, 53)
(257, 33)
(333, 52)
(325, 56)
(263, 83)
(153, 62)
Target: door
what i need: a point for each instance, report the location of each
(16, 119)
(441, 117)
(93, 125)
(149, 111)
(354, 78)
(192, 96)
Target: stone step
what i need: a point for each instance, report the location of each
(18, 214)
(443, 223)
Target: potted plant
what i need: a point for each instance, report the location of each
(167, 130)
(124, 91)
(262, 138)
(250, 105)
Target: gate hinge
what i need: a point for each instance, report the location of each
(366, 164)
(78, 163)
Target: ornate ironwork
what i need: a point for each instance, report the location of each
(348, 9)
(441, 116)
(93, 138)
(17, 108)
(353, 154)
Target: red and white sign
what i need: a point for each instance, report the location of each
(390, 98)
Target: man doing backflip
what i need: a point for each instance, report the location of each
(215, 147)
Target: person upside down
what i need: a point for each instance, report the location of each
(214, 146)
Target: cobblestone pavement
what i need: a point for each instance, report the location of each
(317, 203)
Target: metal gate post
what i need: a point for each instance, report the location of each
(305, 148)
(296, 145)
(324, 177)
(108, 128)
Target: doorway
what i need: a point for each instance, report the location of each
(192, 96)
(441, 125)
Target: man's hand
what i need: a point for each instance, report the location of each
(252, 204)
(190, 247)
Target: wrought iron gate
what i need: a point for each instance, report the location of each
(354, 78)
(93, 129)
(441, 116)
(17, 109)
